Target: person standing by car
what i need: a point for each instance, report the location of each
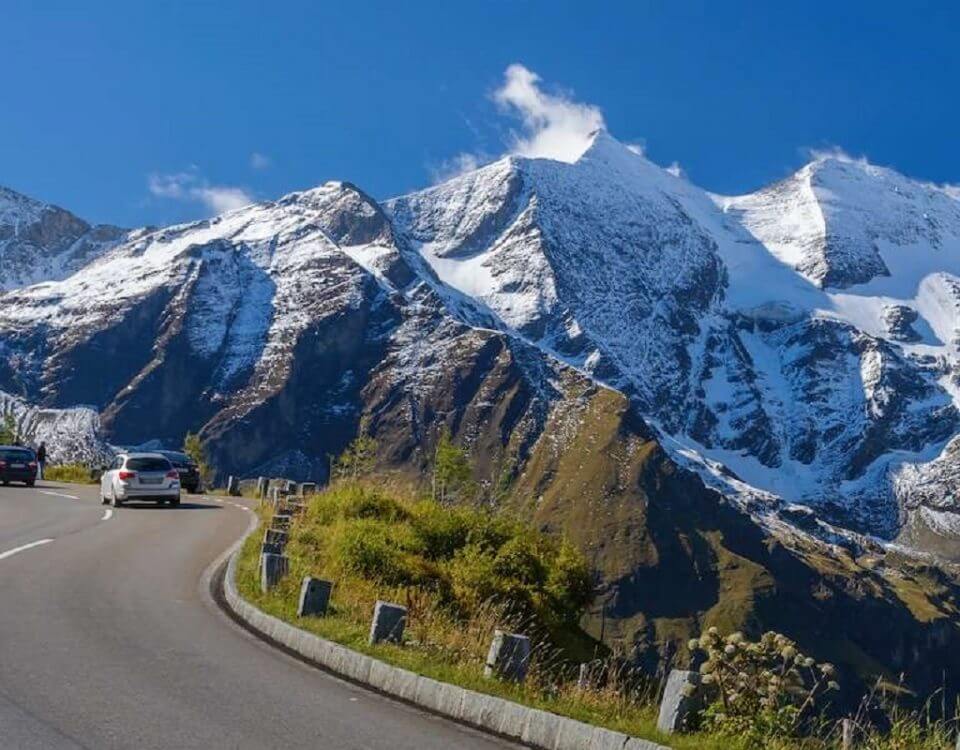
(41, 459)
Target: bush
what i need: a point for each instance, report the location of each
(763, 690)
(465, 558)
(77, 473)
(371, 549)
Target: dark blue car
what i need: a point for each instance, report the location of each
(17, 464)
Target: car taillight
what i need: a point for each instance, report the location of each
(173, 474)
(126, 474)
(32, 464)
(3, 464)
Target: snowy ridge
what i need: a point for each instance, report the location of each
(40, 242)
(798, 345)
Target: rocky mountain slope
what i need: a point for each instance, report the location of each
(728, 402)
(40, 242)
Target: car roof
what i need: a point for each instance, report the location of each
(15, 448)
(141, 454)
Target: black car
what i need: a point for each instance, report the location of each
(17, 464)
(186, 468)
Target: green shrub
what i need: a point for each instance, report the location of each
(371, 548)
(77, 473)
(464, 558)
(442, 531)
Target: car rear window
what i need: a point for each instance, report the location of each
(180, 459)
(8, 454)
(148, 464)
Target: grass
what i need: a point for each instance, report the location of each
(390, 544)
(76, 473)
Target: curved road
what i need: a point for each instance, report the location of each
(109, 640)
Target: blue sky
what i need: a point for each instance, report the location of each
(135, 113)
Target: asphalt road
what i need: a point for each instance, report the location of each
(108, 639)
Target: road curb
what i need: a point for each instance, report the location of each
(532, 727)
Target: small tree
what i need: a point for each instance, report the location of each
(452, 472)
(357, 460)
(8, 430)
(194, 448)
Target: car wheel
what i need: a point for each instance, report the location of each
(115, 501)
(104, 500)
(30, 483)
(175, 502)
(6, 482)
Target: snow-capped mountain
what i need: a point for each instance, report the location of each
(40, 242)
(619, 348)
(797, 344)
(801, 338)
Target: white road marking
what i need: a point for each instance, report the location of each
(15, 550)
(59, 494)
(107, 514)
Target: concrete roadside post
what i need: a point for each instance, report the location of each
(271, 548)
(275, 536)
(681, 699)
(388, 622)
(233, 486)
(272, 569)
(314, 597)
(583, 678)
(261, 488)
(308, 488)
(846, 734)
(508, 657)
(282, 520)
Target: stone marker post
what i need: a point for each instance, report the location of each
(314, 597)
(275, 536)
(233, 486)
(508, 657)
(271, 548)
(583, 678)
(388, 622)
(272, 569)
(846, 734)
(681, 699)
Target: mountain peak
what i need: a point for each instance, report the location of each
(604, 147)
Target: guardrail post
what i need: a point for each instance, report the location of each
(508, 657)
(262, 488)
(388, 622)
(233, 486)
(272, 568)
(314, 597)
(681, 699)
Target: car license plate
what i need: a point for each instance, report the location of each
(18, 466)
(151, 480)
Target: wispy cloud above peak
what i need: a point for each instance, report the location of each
(260, 161)
(554, 126)
(191, 186)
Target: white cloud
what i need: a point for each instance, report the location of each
(260, 161)
(190, 186)
(458, 165)
(676, 170)
(835, 152)
(554, 126)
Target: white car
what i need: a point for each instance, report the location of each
(140, 476)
